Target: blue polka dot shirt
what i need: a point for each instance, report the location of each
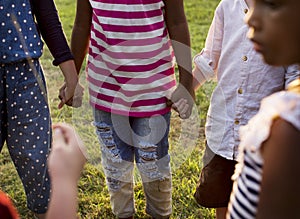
(20, 35)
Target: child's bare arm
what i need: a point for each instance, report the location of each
(279, 197)
(81, 32)
(65, 162)
(180, 38)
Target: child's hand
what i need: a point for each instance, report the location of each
(181, 106)
(182, 101)
(71, 91)
(70, 96)
(67, 156)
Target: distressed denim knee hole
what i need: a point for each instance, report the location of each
(113, 184)
(108, 145)
(147, 152)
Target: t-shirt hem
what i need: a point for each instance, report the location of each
(130, 113)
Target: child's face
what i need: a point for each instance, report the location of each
(275, 30)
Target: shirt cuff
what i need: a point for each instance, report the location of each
(203, 68)
(63, 58)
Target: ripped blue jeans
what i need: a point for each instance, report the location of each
(125, 140)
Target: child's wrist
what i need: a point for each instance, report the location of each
(72, 81)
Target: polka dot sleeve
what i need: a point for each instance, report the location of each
(51, 29)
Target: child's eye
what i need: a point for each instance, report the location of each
(271, 4)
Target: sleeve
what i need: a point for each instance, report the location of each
(292, 73)
(51, 30)
(206, 62)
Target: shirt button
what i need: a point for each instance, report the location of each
(245, 10)
(245, 58)
(240, 90)
(236, 122)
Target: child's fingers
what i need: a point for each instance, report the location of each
(181, 105)
(61, 104)
(58, 137)
(184, 111)
(62, 98)
(66, 130)
(76, 100)
(59, 140)
(71, 138)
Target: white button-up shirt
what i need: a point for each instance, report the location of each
(243, 78)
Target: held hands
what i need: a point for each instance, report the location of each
(71, 95)
(67, 156)
(71, 91)
(182, 101)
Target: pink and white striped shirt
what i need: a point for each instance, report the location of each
(130, 63)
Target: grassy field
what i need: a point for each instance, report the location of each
(93, 195)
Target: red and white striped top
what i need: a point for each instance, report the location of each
(130, 64)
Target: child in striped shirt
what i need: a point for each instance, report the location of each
(130, 70)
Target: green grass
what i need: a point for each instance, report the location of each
(93, 195)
